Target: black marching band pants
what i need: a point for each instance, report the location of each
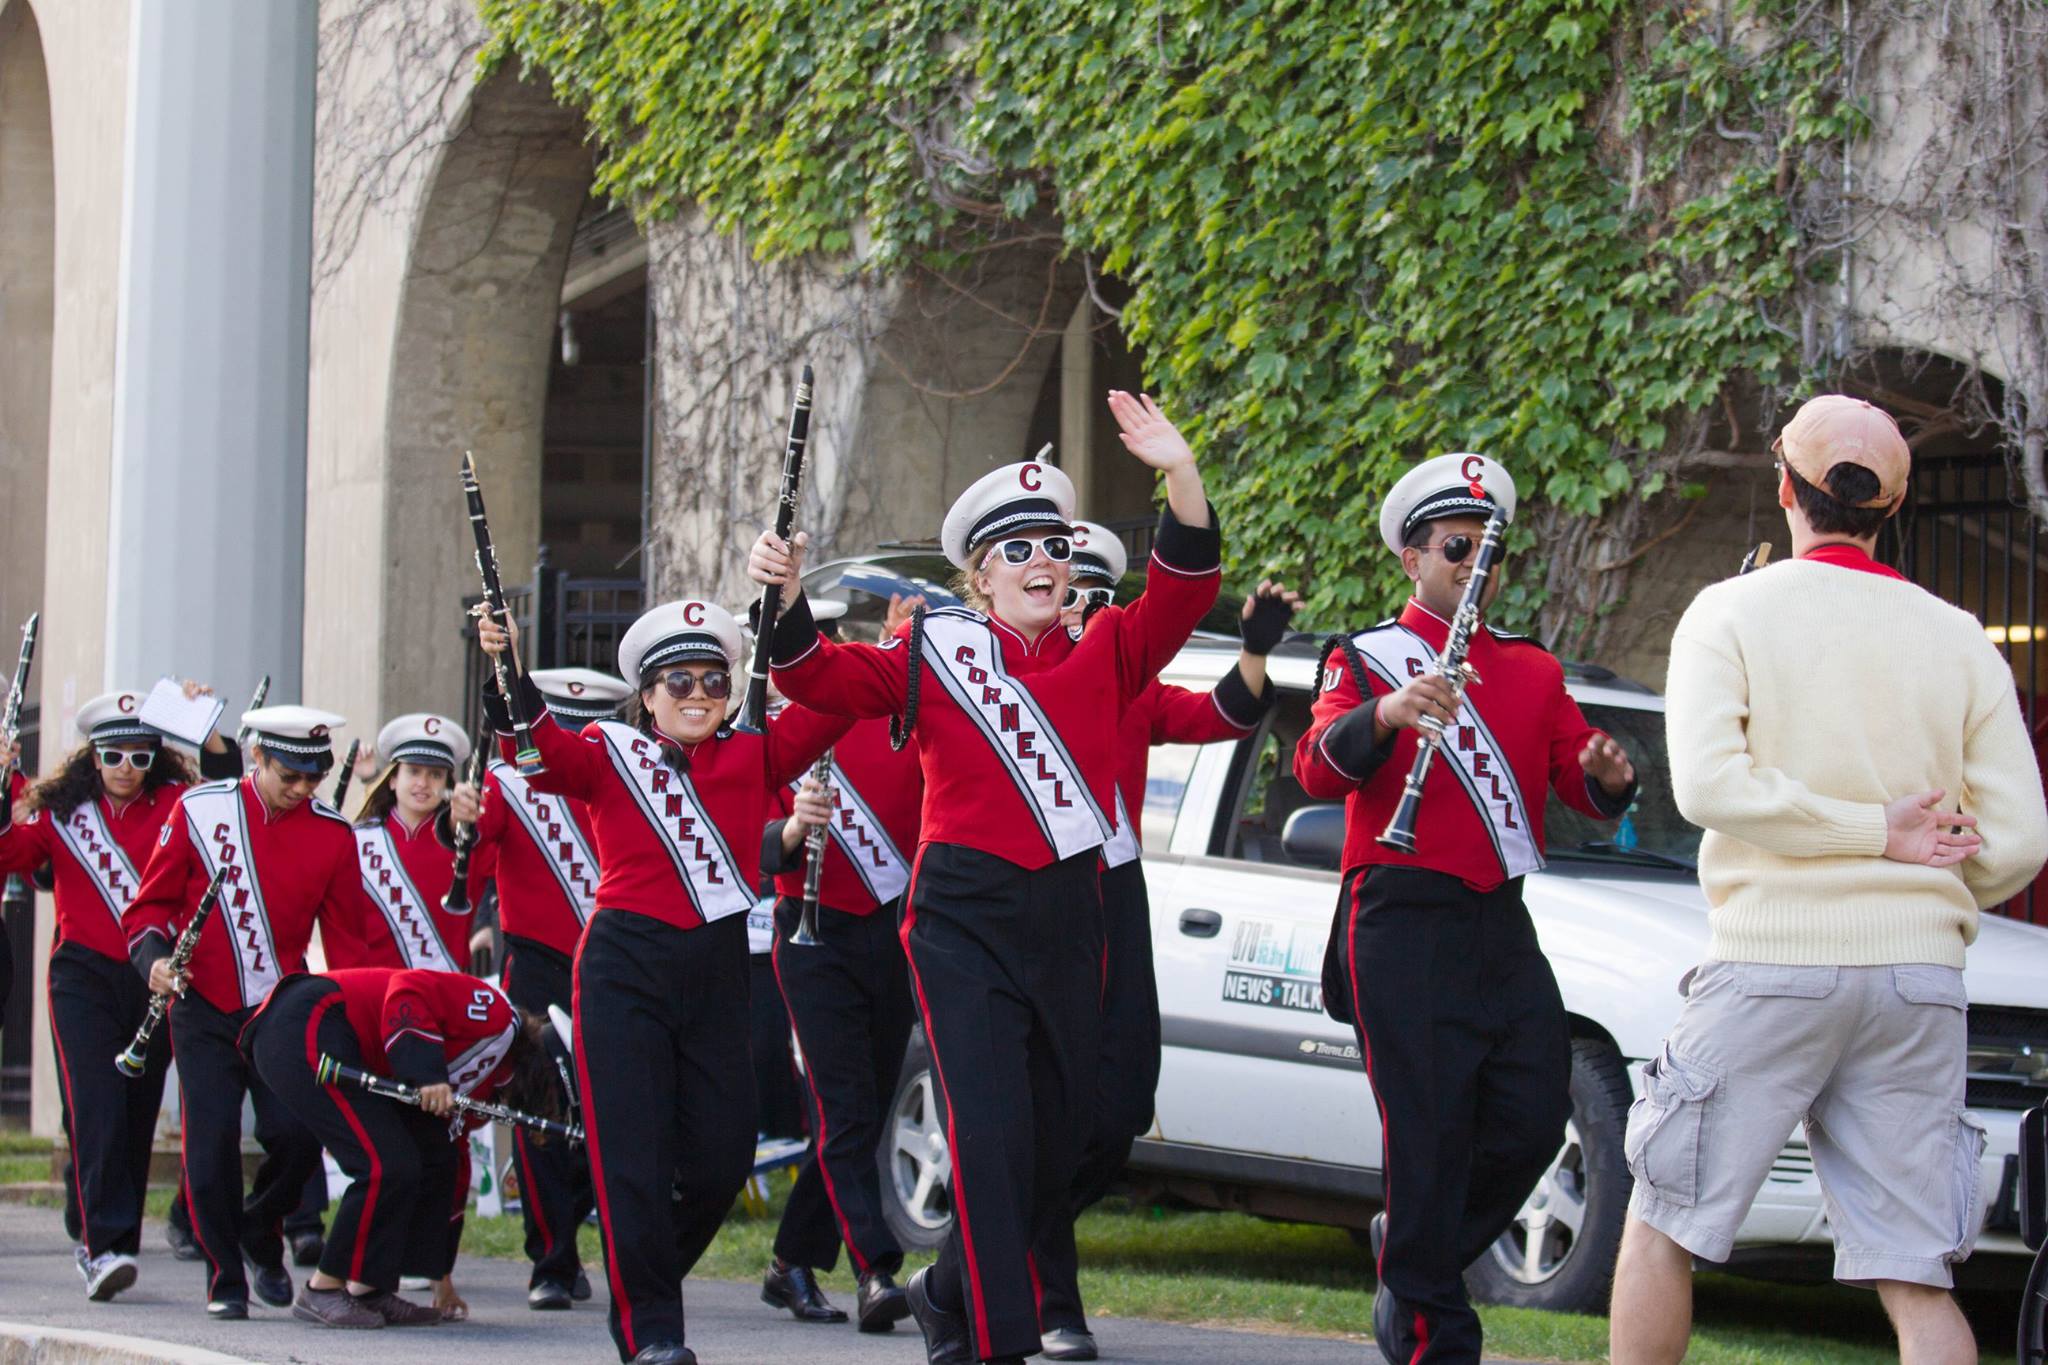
(212, 1078)
(668, 1103)
(1006, 968)
(1465, 1041)
(779, 1100)
(554, 1177)
(849, 1001)
(96, 1004)
(401, 1161)
(1127, 1077)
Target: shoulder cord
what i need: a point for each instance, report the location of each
(901, 727)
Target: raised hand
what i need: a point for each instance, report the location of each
(900, 609)
(1606, 762)
(775, 560)
(1268, 611)
(1147, 434)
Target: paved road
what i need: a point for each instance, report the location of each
(728, 1324)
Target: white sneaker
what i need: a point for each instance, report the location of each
(415, 1282)
(107, 1275)
(79, 1255)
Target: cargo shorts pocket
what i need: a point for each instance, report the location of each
(1667, 1126)
(1967, 1184)
(1925, 983)
(1755, 979)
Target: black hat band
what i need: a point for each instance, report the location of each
(426, 752)
(1451, 502)
(1016, 515)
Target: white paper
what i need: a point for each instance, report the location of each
(167, 709)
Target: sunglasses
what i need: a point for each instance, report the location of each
(292, 777)
(680, 684)
(1059, 549)
(138, 759)
(1452, 548)
(1093, 597)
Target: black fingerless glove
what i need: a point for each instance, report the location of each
(1267, 625)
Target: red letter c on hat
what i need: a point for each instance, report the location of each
(127, 703)
(1028, 476)
(1471, 468)
(432, 725)
(693, 613)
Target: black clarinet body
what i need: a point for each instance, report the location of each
(332, 1072)
(17, 696)
(526, 757)
(456, 902)
(753, 716)
(347, 773)
(135, 1060)
(256, 700)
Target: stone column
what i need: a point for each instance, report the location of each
(208, 499)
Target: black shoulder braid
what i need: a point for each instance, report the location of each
(1331, 644)
(901, 727)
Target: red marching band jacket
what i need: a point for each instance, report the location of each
(543, 853)
(96, 854)
(1018, 738)
(877, 794)
(405, 875)
(427, 1028)
(1518, 733)
(1166, 714)
(677, 844)
(283, 872)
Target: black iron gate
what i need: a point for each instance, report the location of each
(1967, 536)
(18, 907)
(564, 622)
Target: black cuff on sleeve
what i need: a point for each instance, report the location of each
(1349, 742)
(417, 1061)
(774, 861)
(1239, 705)
(147, 950)
(796, 634)
(1610, 807)
(215, 767)
(43, 878)
(1187, 548)
(444, 827)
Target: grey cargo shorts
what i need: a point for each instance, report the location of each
(1870, 1058)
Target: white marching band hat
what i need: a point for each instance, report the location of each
(581, 694)
(1460, 484)
(300, 737)
(1099, 554)
(430, 740)
(112, 719)
(1030, 496)
(825, 609)
(680, 632)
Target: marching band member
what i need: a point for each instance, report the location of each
(407, 869)
(289, 858)
(677, 801)
(1432, 956)
(544, 858)
(1127, 1068)
(94, 822)
(849, 1006)
(1016, 723)
(444, 1033)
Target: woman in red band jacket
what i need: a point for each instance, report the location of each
(443, 1033)
(1016, 723)
(677, 802)
(94, 822)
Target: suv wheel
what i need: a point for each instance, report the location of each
(917, 1164)
(1559, 1252)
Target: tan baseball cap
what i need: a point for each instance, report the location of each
(1835, 428)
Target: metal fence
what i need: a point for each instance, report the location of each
(18, 905)
(564, 622)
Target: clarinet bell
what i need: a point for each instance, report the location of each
(131, 1063)
(805, 936)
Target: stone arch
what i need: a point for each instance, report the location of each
(469, 370)
(27, 291)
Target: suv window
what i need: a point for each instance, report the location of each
(1269, 793)
(1166, 781)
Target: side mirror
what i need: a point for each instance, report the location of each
(1314, 837)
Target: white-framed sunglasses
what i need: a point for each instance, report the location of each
(1088, 597)
(138, 759)
(1058, 549)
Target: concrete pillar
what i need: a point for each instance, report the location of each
(28, 207)
(208, 500)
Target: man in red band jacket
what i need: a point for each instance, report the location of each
(1432, 955)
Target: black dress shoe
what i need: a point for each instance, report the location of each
(307, 1248)
(228, 1310)
(665, 1353)
(946, 1339)
(273, 1285)
(182, 1244)
(1067, 1343)
(795, 1287)
(579, 1290)
(548, 1297)
(881, 1303)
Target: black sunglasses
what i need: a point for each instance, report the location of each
(138, 759)
(681, 683)
(1058, 549)
(1452, 548)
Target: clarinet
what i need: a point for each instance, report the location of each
(806, 934)
(1452, 668)
(1758, 556)
(10, 721)
(526, 757)
(753, 716)
(331, 1072)
(456, 902)
(347, 773)
(255, 701)
(135, 1060)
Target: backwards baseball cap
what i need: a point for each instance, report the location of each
(1003, 502)
(299, 737)
(1457, 485)
(1837, 429)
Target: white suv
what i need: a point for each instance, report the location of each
(1263, 1104)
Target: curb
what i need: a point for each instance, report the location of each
(26, 1343)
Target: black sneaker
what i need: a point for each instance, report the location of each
(307, 1248)
(181, 1242)
(881, 1303)
(946, 1339)
(273, 1285)
(795, 1287)
(549, 1297)
(1393, 1328)
(579, 1288)
(665, 1353)
(1068, 1343)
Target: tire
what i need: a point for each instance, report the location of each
(915, 1161)
(1589, 1181)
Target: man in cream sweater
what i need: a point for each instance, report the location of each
(1853, 747)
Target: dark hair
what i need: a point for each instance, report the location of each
(1834, 511)
(78, 781)
(382, 797)
(533, 1085)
